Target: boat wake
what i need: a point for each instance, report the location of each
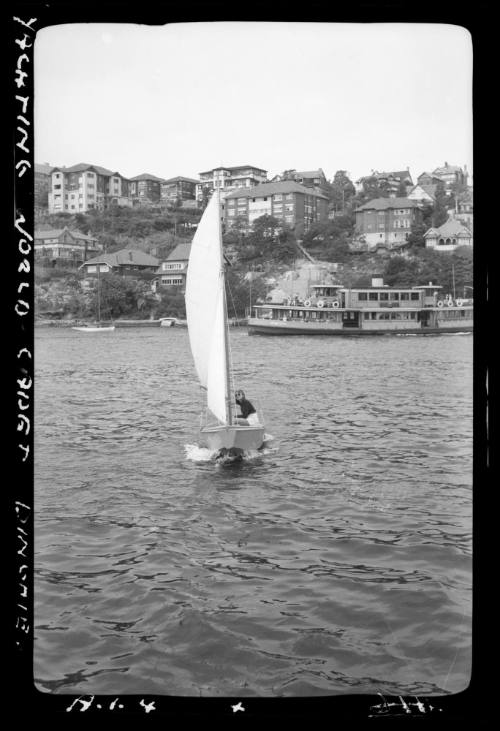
(195, 453)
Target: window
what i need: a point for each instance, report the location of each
(414, 296)
(57, 187)
(394, 296)
(373, 296)
(362, 296)
(278, 197)
(405, 295)
(384, 296)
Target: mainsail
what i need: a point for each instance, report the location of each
(205, 309)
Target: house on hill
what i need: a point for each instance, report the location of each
(179, 188)
(391, 181)
(63, 247)
(387, 221)
(172, 272)
(145, 189)
(449, 236)
(451, 174)
(125, 261)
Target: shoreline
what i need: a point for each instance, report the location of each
(176, 322)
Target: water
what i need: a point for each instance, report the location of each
(338, 561)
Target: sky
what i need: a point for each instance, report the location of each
(184, 98)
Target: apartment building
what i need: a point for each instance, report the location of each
(286, 200)
(229, 178)
(145, 189)
(42, 185)
(178, 188)
(387, 221)
(84, 187)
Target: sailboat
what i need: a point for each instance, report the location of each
(98, 327)
(207, 320)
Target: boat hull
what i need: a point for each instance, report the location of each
(246, 438)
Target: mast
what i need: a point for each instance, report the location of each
(229, 417)
(98, 294)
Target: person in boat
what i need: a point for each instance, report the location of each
(248, 413)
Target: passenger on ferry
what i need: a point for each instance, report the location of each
(248, 413)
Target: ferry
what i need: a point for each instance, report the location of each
(332, 309)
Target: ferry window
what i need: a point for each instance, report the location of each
(415, 296)
(374, 315)
(384, 296)
(362, 296)
(373, 296)
(394, 296)
(367, 315)
(405, 295)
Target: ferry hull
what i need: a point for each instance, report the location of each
(246, 438)
(258, 327)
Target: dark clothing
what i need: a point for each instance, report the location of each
(246, 407)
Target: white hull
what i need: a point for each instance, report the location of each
(94, 329)
(247, 438)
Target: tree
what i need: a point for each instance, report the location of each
(341, 191)
(441, 205)
(401, 191)
(241, 288)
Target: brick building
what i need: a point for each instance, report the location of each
(387, 221)
(289, 202)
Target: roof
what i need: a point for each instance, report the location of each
(180, 253)
(452, 227)
(430, 189)
(56, 232)
(382, 204)
(148, 176)
(43, 169)
(447, 169)
(234, 167)
(282, 186)
(180, 177)
(122, 257)
(394, 174)
(311, 173)
(81, 166)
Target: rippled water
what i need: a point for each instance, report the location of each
(339, 560)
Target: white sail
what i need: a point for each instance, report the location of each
(205, 309)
